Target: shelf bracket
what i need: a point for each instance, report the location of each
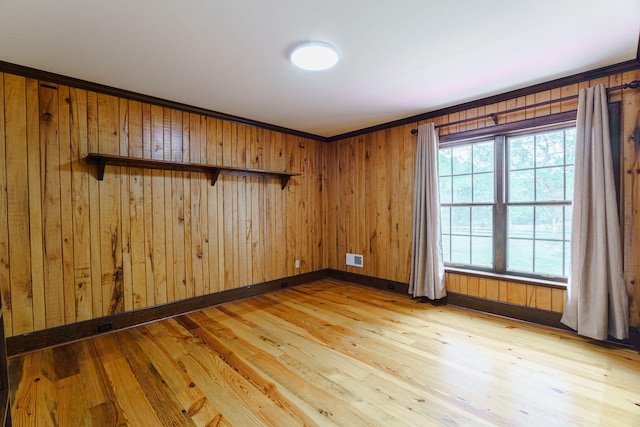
(101, 165)
(284, 180)
(215, 173)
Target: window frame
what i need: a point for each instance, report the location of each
(500, 203)
(539, 124)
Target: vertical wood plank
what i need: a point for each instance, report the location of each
(5, 268)
(94, 208)
(186, 203)
(17, 204)
(393, 210)
(66, 203)
(543, 298)
(159, 229)
(125, 207)
(229, 205)
(473, 286)
(558, 300)
(257, 203)
(51, 206)
(493, 289)
(221, 237)
(110, 220)
(36, 218)
(136, 211)
(169, 220)
(148, 207)
(242, 232)
(178, 210)
(197, 276)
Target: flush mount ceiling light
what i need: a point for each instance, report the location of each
(314, 56)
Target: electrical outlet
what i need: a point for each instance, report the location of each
(297, 263)
(104, 327)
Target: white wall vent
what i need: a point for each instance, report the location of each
(354, 260)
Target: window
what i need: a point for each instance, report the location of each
(506, 203)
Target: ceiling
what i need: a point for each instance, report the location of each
(398, 58)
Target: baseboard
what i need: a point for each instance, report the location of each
(26, 343)
(513, 311)
(373, 282)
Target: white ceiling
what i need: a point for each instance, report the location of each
(399, 58)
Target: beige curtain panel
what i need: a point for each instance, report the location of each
(427, 265)
(597, 301)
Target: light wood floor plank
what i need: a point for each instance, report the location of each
(329, 353)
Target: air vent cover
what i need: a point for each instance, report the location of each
(354, 260)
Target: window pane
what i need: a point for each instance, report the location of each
(520, 255)
(462, 189)
(569, 182)
(549, 258)
(483, 157)
(549, 222)
(482, 221)
(521, 186)
(570, 146)
(444, 183)
(460, 249)
(460, 220)
(550, 184)
(567, 258)
(444, 162)
(521, 152)
(461, 159)
(568, 212)
(445, 220)
(446, 248)
(483, 188)
(482, 251)
(550, 149)
(520, 221)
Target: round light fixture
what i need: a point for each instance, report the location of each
(314, 56)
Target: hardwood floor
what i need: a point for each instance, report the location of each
(329, 353)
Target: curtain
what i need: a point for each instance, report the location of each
(597, 300)
(427, 265)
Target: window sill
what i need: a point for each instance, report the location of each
(507, 277)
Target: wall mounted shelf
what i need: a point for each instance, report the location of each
(102, 160)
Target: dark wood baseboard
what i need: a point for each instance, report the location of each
(513, 311)
(38, 340)
(373, 282)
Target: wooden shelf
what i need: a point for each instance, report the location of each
(102, 160)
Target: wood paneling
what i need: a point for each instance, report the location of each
(630, 193)
(374, 196)
(73, 248)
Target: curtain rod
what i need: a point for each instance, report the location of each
(494, 116)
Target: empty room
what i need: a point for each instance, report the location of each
(336, 213)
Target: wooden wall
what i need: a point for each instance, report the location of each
(74, 248)
(370, 211)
